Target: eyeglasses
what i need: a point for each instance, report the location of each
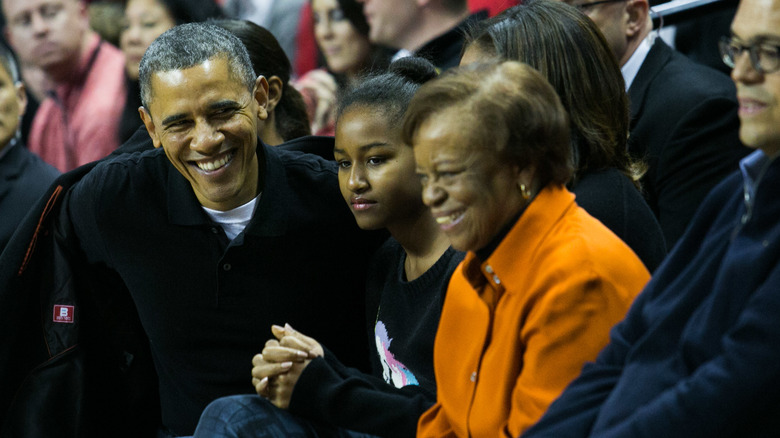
(583, 6)
(764, 57)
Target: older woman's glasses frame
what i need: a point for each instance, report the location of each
(764, 57)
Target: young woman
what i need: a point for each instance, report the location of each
(405, 292)
(341, 32)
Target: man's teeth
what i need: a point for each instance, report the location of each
(214, 165)
(447, 219)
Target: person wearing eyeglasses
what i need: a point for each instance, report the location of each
(697, 355)
(683, 115)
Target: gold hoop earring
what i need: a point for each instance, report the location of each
(525, 192)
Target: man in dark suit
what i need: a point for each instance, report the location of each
(24, 177)
(683, 115)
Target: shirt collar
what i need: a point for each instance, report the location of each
(634, 63)
(752, 168)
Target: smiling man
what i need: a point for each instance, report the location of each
(215, 235)
(697, 353)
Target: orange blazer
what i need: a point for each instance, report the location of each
(518, 327)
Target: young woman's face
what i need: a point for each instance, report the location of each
(376, 171)
(143, 22)
(346, 50)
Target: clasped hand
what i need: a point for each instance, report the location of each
(276, 370)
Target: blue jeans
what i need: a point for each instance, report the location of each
(251, 416)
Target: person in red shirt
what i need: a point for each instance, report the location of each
(77, 122)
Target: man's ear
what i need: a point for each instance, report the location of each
(21, 97)
(150, 127)
(260, 93)
(275, 88)
(638, 12)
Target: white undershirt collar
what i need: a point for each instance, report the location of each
(233, 221)
(634, 63)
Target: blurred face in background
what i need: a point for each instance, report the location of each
(143, 22)
(345, 49)
(47, 33)
(389, 20)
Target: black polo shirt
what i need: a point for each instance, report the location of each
(207, 304)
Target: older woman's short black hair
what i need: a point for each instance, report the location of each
(508, 106)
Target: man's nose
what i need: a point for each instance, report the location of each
(206, 138)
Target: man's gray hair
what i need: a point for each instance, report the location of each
(191, 44)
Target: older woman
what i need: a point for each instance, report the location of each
(569, 50)
(542, 282)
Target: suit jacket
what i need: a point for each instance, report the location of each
(684, 124)
(23, 179)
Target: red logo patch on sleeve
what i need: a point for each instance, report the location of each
(64, 314)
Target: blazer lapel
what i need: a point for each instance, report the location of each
(656, 59)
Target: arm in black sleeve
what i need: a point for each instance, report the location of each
(327, 391)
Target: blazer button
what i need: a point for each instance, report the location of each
(474, 376)
(226, 267)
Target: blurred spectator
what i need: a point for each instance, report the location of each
(569, 50)
(143, 21)
(24, 177)
(683, 115)
(432, 29)
(341, 31)
(281, 17)
(78, 122)
(287, 117)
